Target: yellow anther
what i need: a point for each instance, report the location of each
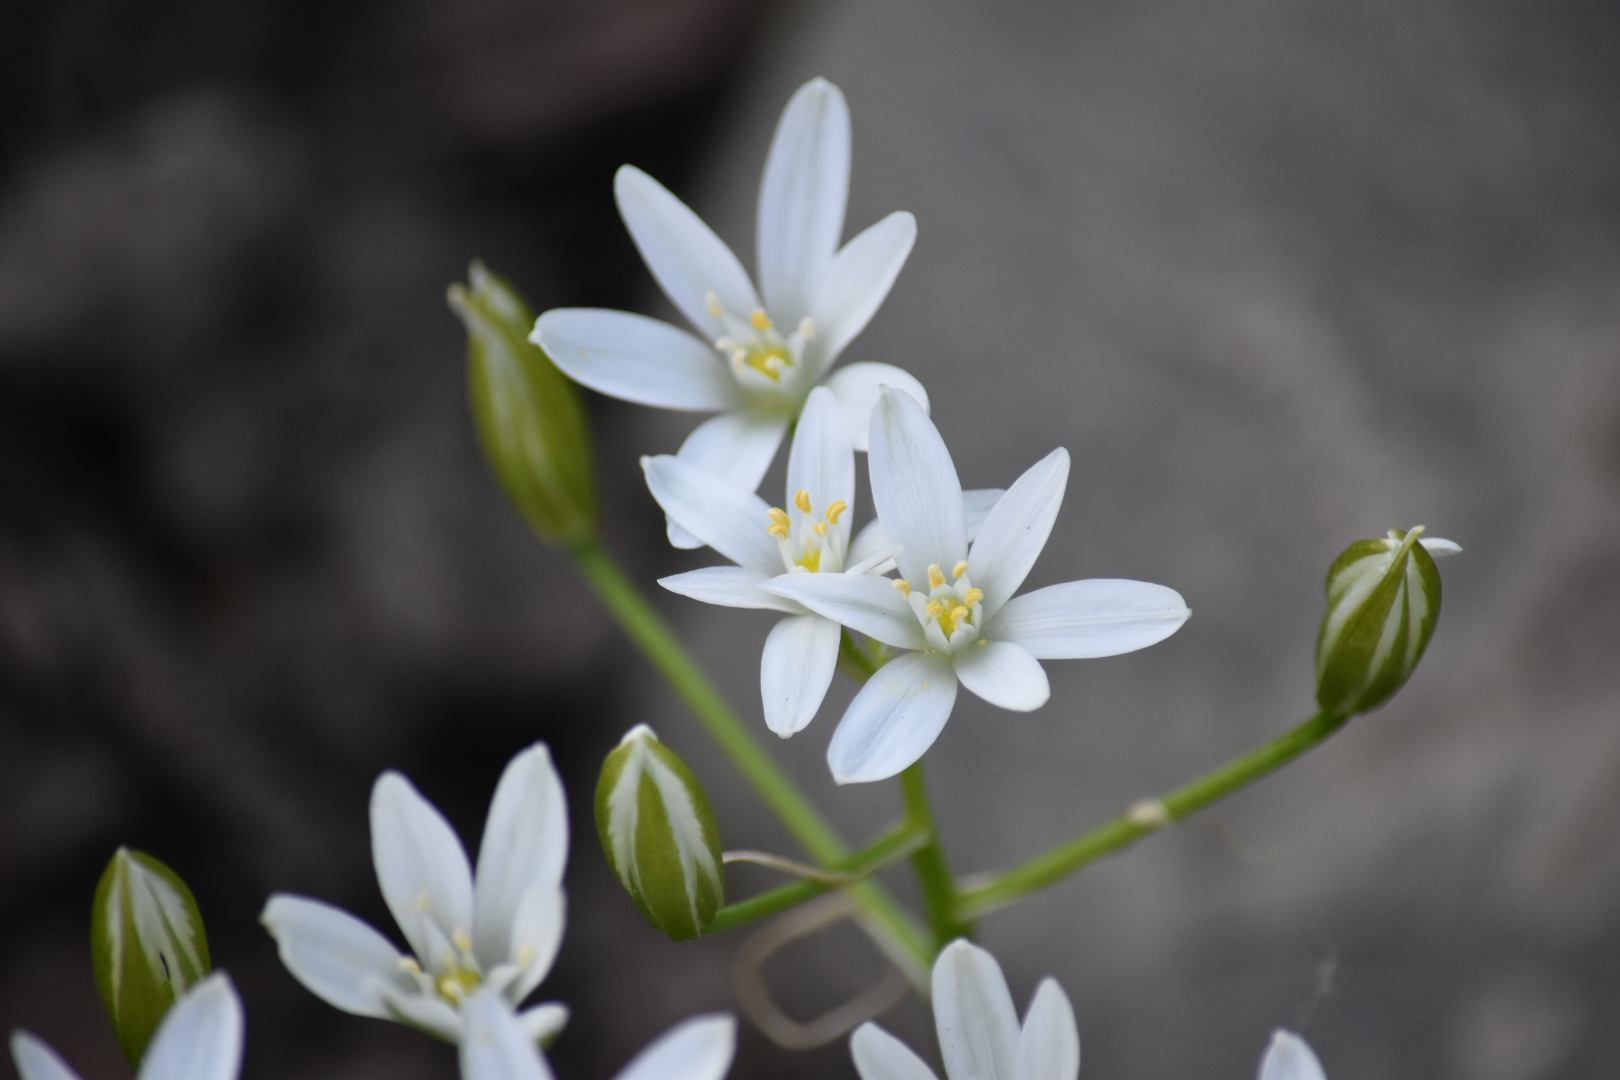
(525, 956)
(802, 500)
(713, 301)
(835, 509)
(422, 902)
(761, 321)
(807, 328)
(451, 987)
(935, 608)
(409, 966)
(904, 586)
(959, 569)
(821, 528)
(780, 524)
(936, 576)
(974, 596)
(959, 613)
(462, 939)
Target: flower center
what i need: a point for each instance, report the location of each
(808, 542)
(759, 355)
(457, 975)
(950, 612)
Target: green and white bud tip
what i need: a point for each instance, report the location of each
(1383, 602)
(660, 834)
(147, 944)
(529, 415)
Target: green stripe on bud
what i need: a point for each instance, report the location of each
(530, 417)
(660, 834)
(1383, 603)
(147, 944)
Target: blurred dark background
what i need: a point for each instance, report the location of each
(1279, 274)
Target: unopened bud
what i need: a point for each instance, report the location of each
(529, 414)
(147, 944)
(660, 834)
(1383, 602)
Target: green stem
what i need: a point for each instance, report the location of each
(863, 863)
(1145, 817)
(933, 871)
(855, 661)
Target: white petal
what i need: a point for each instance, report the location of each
(730, 519)
(337, 957)
(874, 538)
(880, 1056)
(1096, 617)
(421, 866)
(544, 1022)
(870, 605)
(978, 1029)
(822, 462)
(801, 199)
(525, 845)
(1003, 674)
(976, 506)
(1015, 531)
(425, 1012)
(685, 256)
(699, 1048)
(1289, 1057)
(857, 386)
(914, 486)
(893, 720)
(1439, 548)
(494, 1045)
(635, 358)
(536, 933)
(736, 446)
(857, 282)
(37, 1061)
(1049, 1044)
(795, 670)
(200, 1038)
(729, 586)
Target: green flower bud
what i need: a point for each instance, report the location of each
(1383, 601)
(147, 945)
(660, 834)
(529, 415)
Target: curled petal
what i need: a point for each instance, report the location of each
(1096, 617)
(337, 957)
(869, 605)
(729, 586)
(857, 386)
(634, 358)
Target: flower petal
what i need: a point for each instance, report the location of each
(728, 518)
(736, 446)
(1290, 1057)
(1049, 1044)
(684, 254)
(874, 538)
(801, 199)
(795, 670)
(1015, 531)
(821, 462)
(36, 1060)
(494, 1045)
(337, 957)
(535, 934)
(421, 866)
(978, 1029)
(699, 1048)
(525, 846)
(200, 1038)
(423, 1011)
(870, 605)
(893, 720)
(880, 1056)
(857, 386)
(635, 358)
(857, 283)
(976, 507)
(729, 586)
(1003, 674)
(544, 1022)
(1438, 548)
(1096, 617)
(914, 486)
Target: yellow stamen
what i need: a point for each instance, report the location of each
(807, 328)
(959, 569)
(802, 500)
(780, 524)
(821, 528)
(974, 596)
(935, 608)
(959, 613)
(422, 902)
(462, 939)
(525, 956)
(835, 509)
(409, 966)
(904, 586)
(936, 576)
(713, 302)
(761, 321)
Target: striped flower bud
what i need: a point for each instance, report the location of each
(1383, 601)
(660, 834)
(147, 945)
(529, 414)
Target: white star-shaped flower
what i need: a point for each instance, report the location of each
(498, 1047)
(755, 360)
(979, 1034)
(955, 607)
(498, 932)
(200, 1039)
(1289, 1057)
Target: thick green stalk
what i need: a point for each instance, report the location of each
(1145, 817)
(933, 871)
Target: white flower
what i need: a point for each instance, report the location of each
(498, 1048)
(810, 536)
(1289, 1057)
(754, 361)
(979, 1034)
(955, 607)
(499, 932)
(200, 1039)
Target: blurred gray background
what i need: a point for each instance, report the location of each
(1279, 274)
